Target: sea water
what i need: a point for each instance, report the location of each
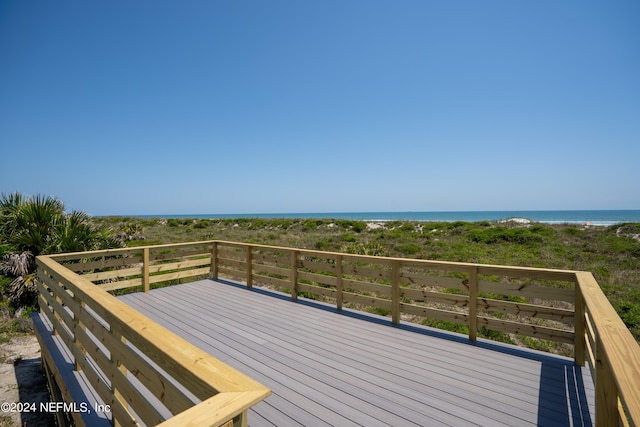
(592, 217)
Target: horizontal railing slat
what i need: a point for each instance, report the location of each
(420, 279)
(318, 290)
(178, 275)
(270, 269)
(434, 313)
(367, 300)
(437, 297)
(318, 278)
(527, 290)
(273, 281)
(537, 331)
(382, 290)
(114, 274)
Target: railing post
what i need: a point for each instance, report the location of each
(579, 348)
(339, 284)
(249, 267)
(145, 269)
(214, 261)
(395, 291)
(117, 395)
(606, 391)
(77, 326)
(240, 420)
(294, 275)
(473, 303)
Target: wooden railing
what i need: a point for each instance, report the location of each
(143, 372)
(562, 306)
(613, 355)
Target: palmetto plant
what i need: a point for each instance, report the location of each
(32, 226)
(23, 289)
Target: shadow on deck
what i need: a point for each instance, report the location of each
(326, 367)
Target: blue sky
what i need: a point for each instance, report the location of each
(166, 107)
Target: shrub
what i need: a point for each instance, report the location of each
(378, 310)
(258, 224)
(324, 244)
(347, 237)
(203, 223)
(374, 249)
(311, 224)
(449, 326)
(495, 335)
(521, 236)
(629, 313)
(573, 231)
(409, 227)
(624, 246)
(359, 226)
(409, 249)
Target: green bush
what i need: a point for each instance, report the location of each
(324, 244)
(258, 223)
(373, 249)
(359, 226)
(449, 326)
(409, 249)
(348, 237)
(378, 310)
(311, 224)
(203, 223)
(625, 228)
(495, 335)
(408, 227)
(521, 236)
(624, 245)
(573, 231)
(630, 314)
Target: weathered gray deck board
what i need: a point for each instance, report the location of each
(326, 368)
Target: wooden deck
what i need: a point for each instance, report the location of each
(350, 368)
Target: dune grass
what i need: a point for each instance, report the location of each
(612, 253)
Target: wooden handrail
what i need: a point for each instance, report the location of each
(113, 321)
(617, 358)
(599, 335)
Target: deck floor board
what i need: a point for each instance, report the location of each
(350, 368)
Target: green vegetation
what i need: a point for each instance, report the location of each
(612, 254)
(31, 226)
(38, 225)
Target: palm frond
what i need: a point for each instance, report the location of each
(23, 291)
(16, 265)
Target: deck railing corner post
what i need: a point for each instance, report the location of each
(579, 348)
(214, 261)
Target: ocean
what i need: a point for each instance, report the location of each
(592, 217)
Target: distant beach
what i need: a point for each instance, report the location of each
(589, 217)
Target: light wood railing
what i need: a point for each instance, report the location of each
(143, 372)
(556, 305)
